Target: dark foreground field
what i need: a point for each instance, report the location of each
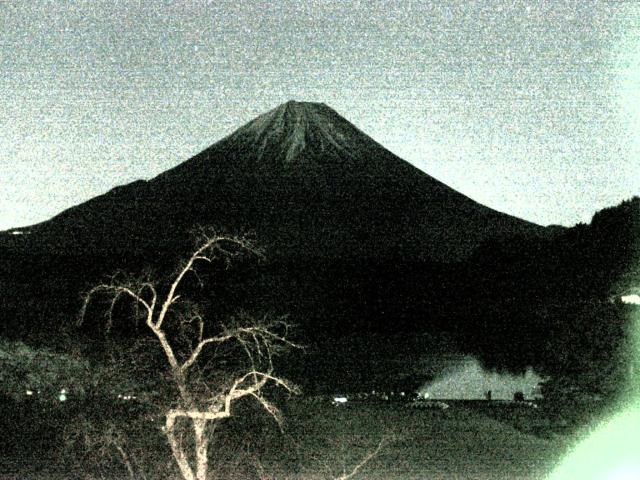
(463, 442)
(319, 441)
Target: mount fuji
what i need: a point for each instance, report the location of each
(304, 179)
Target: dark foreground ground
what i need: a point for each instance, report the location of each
(468, 440)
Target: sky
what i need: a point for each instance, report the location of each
(529, 107)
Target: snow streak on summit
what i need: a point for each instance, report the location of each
(299, 125)
(300, 138)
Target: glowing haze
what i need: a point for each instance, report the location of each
(465, 379)
(531, 108)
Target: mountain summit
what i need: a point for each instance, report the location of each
(297, 130)
(306, 180)
(294, 128)
(300, 137)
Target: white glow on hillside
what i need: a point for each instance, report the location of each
(631, 299)
(467, 380)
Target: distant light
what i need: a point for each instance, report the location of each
(62, 397)
(633, 299)
(339, 399)
(29, 392)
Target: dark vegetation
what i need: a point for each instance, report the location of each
(318, 441)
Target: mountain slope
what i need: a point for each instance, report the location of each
(309, 184)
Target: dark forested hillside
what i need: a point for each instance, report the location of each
(554, 303)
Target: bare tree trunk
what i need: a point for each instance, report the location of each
(176, 449)
(202, 448)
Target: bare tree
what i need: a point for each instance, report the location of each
(183, 336)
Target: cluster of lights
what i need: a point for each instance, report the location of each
(127, 397)
(63, 395)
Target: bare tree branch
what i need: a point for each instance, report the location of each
(208, 252)
(198, 350)
(366, 459)
(116, 292)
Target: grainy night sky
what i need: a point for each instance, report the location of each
(532, 108)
